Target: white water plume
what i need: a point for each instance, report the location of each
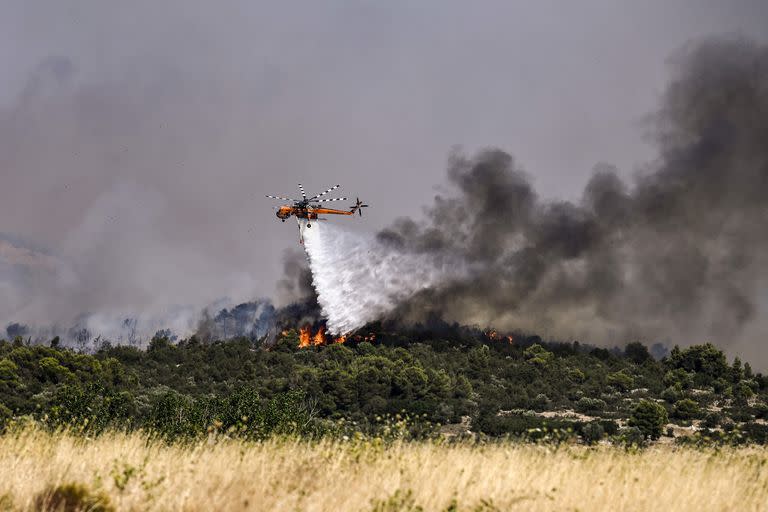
(358, 279)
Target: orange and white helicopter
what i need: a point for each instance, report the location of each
(310, 208)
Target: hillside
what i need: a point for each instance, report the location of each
(414, 384)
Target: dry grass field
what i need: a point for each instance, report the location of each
(128, 472)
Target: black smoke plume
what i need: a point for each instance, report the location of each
(679, 253)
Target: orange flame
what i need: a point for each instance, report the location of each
(319, 338)
(304, 336)
(306, 339)
(495, 336)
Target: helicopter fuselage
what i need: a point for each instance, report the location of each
(309, 213)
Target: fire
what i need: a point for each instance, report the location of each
(306, 339)
(319, 338)
(305, 336)
(495, 336)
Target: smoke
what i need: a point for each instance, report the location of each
(358, 279)
(679, 254)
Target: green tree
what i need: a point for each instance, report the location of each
(621, 380)
(742, 392)
(706, 361)
(8, 371)
(52, 370)
(637, 352)
(411, 381)
(538, 355)
(686, 409)
(649, 417)
(679, 378)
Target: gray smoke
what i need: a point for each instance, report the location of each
(679, 254)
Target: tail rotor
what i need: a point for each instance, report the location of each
(359, 207)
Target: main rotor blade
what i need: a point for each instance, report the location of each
(323, 193)
(281, 198)
(303, 194)
(329, 200)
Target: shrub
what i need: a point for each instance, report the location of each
(609, 426)
(712, 420)
(761, 411)
(536, 354)
(592, 432)
(686, 409)
(576, 375)
(541, 402)
(672, 394)
(590, 405)
(630, 436)
(649, 417)
(755, 432)
(621, 380)
(678, 378)
(72, 498)
(5, 416)
(742, 391)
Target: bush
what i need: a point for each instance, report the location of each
(686, 409)
(590, 405)
(541, 402)
(592, 432)
(72, 498)
(672, 394)
(678, 378)
(630, 436)
(649, 417)
(538, 355)
(755, 433)
(576, 375)
(609, 426)
(621, 380)
(712, 420)
(761, 411)
(5, 416)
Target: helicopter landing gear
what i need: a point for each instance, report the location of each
(309, 225)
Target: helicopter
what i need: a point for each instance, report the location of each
(309, 208)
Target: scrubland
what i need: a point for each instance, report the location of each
(117, 471)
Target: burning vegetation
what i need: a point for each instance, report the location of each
(306, 339)
(321, 338)
(493, 335)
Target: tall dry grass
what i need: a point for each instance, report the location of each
(137, 474)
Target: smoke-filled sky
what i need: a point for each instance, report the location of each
(137, 139)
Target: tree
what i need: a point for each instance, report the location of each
(678, 378)
(742, 392)
(621, 380)
(706, 361)
(538, 355)
(649, 417)
(411, 381)
(686, 409)
(637, 352)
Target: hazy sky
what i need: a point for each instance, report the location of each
(137, 139)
